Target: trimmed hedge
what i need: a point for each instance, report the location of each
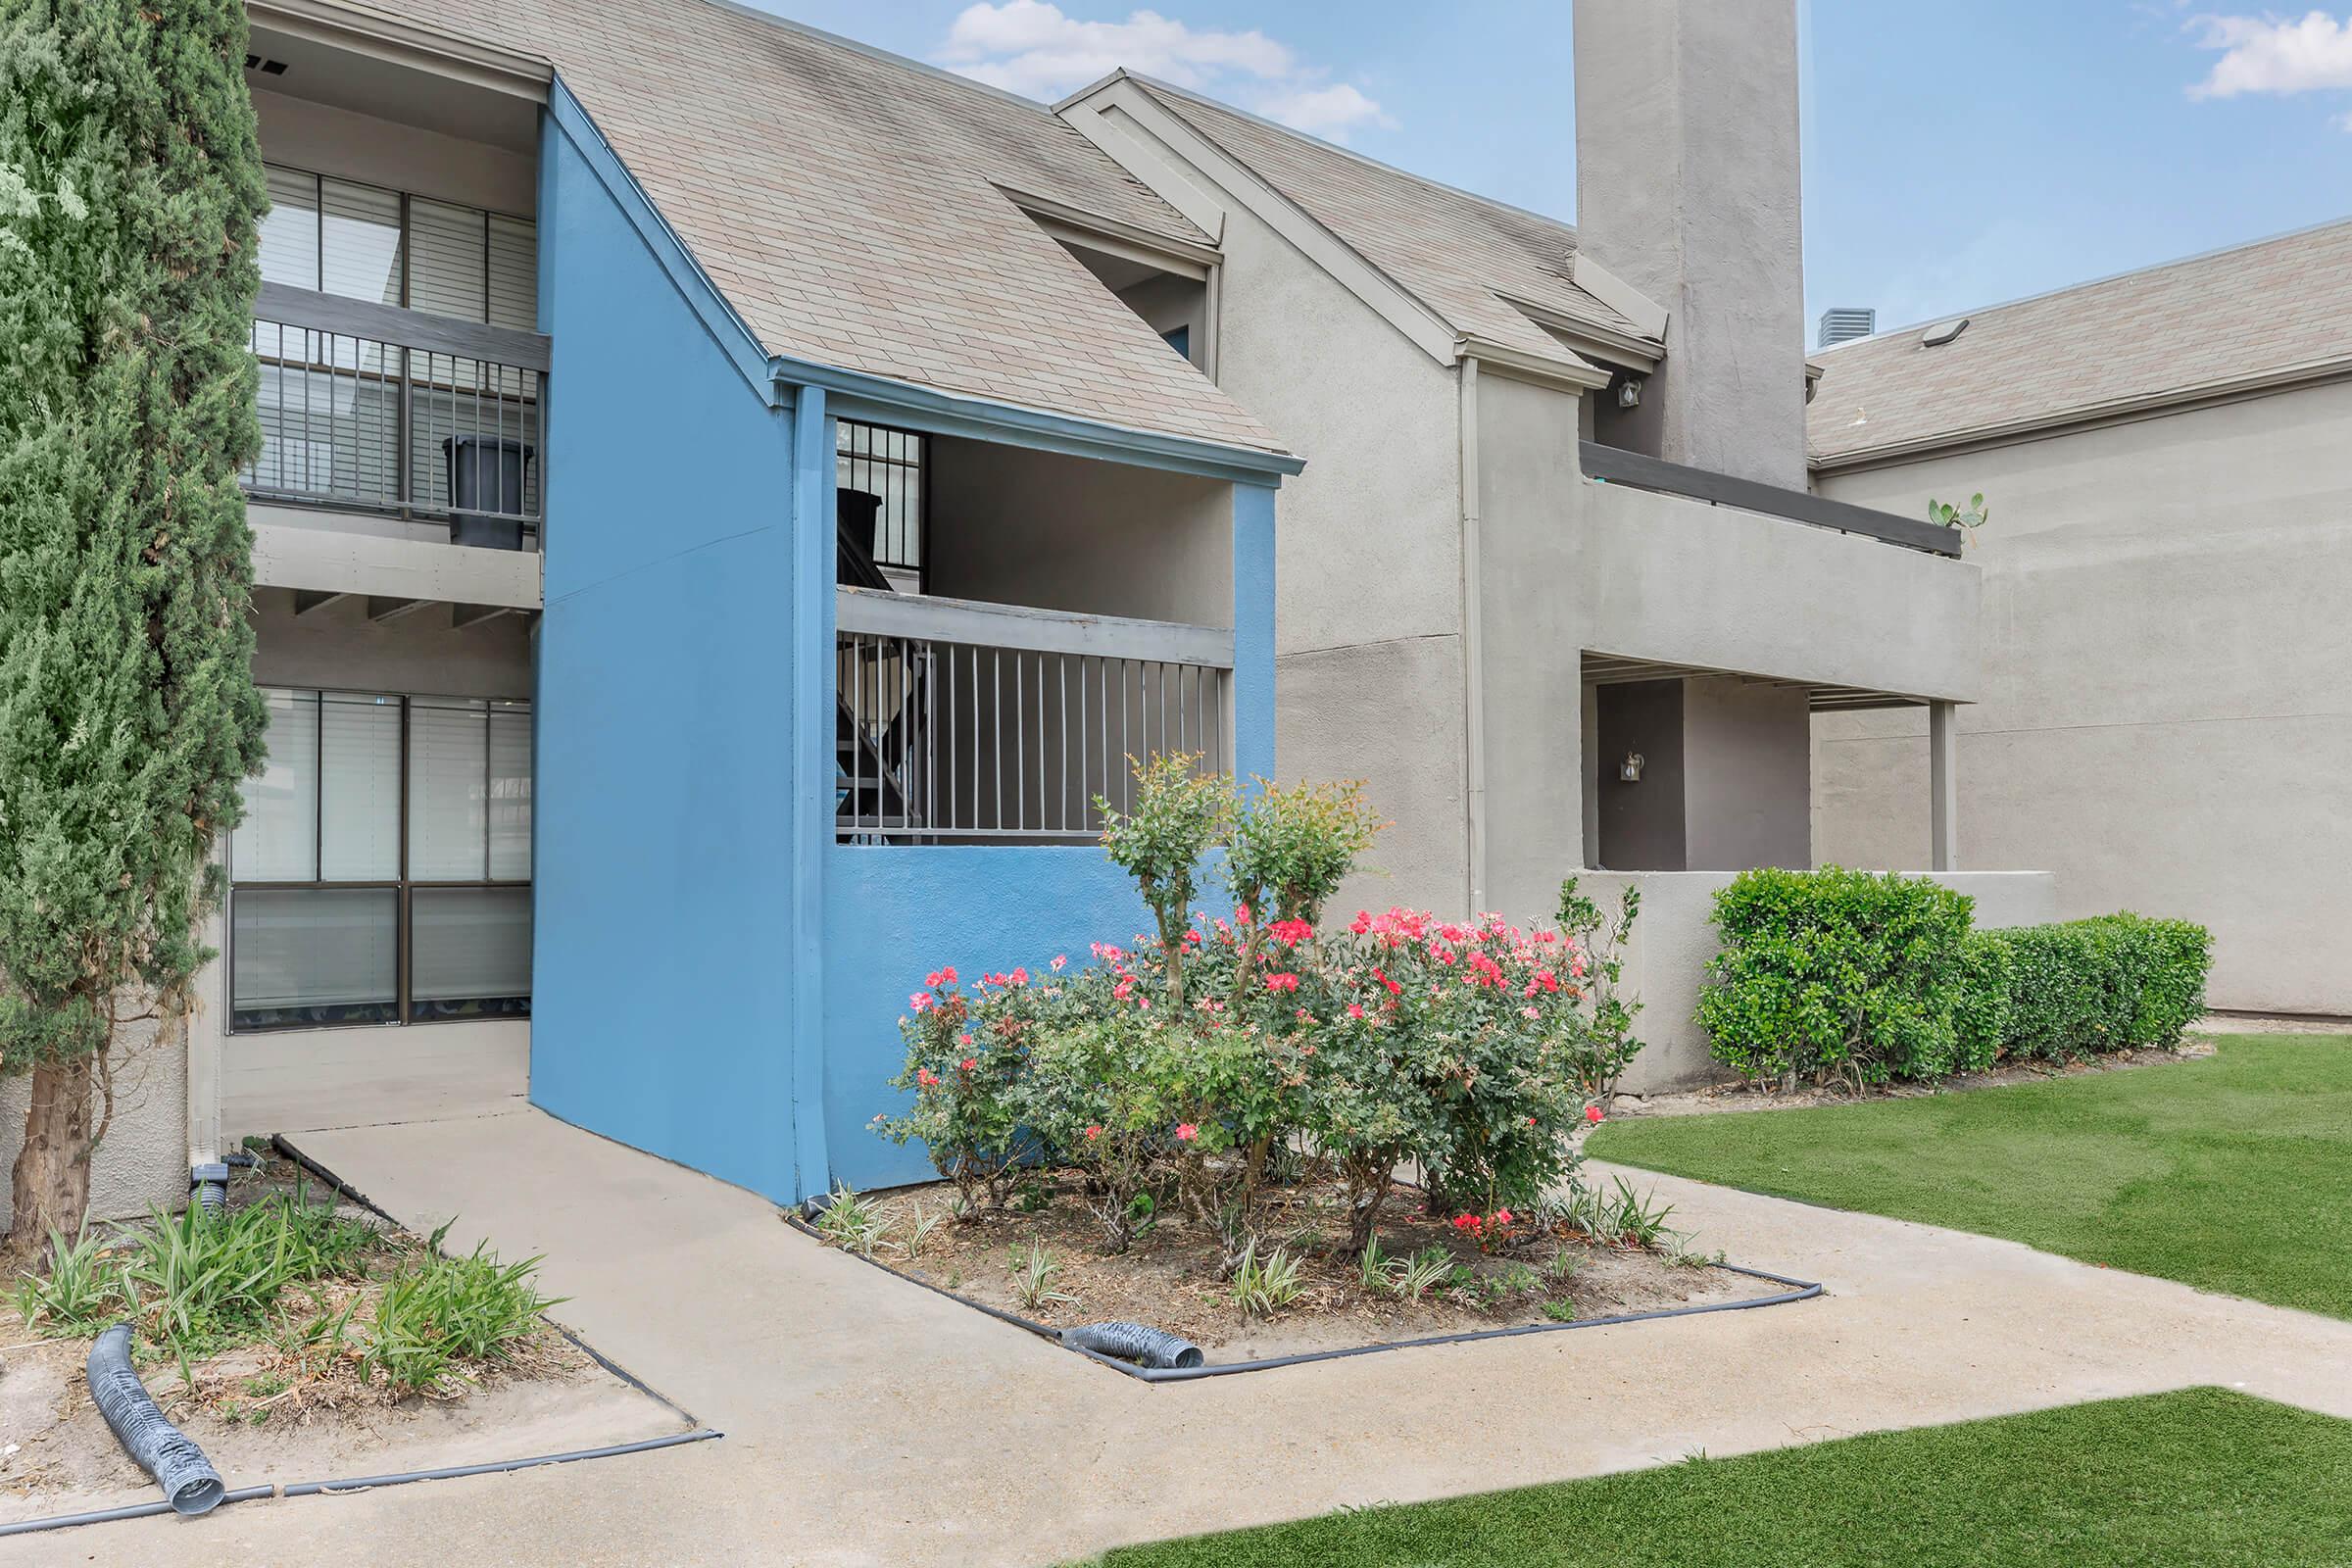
(1867, 977)
(1833, 973)
(2105, 984)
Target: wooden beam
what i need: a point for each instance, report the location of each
(306, 600)
(1642, 473)
(381, 609)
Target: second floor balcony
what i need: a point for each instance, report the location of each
(400, 414)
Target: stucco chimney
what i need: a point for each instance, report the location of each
(1687, 187)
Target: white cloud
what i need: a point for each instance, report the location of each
(1032, 48)
(2273, 54)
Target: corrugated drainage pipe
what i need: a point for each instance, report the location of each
(1134, 1342)
(191, 1483)
(212, 1187)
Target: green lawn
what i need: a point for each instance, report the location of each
(2186, 1480)
(2233, 1173)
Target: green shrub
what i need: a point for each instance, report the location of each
(1981, 1016)
(2081, 987)
(1835, 974)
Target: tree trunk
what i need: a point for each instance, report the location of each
(50, 1189)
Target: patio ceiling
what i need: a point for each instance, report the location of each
(1611, 670)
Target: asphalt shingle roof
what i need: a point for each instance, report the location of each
(1462, 256)
(846, 203)
(2265, 308)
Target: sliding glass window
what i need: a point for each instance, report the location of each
(383, 872)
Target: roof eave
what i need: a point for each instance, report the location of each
(940, 411)
(1574, 373)
(2172, 400)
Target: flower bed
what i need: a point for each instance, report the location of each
(295, 1338)
(1041, 1259)
(1203, 1129)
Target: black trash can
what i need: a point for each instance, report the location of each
(485, 490)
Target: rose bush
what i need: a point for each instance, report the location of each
(1186, 1066)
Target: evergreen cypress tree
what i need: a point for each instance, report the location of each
(130, 184)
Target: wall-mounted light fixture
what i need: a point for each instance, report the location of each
(1630, 770)
(1629, 392)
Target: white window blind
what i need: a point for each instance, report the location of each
(510, 792)
(448, 778)
(298, 948)
(360, 788)
(513, 272)
(359, 251)
(289, 234)
(278, 839)
(331, 807)
(448, 260)
(470, 943)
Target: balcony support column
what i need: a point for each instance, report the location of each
(1251, 724)
(1943, 788)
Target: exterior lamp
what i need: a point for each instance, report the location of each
(1630, 770)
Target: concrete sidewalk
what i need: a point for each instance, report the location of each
(872, 1422)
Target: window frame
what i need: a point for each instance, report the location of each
(918, 465)
(408, 233)
(402, 887)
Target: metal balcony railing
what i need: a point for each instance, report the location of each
(380, 409)
(958, 721)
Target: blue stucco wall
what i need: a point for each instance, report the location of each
(662, 978)
(892, 915)
(716, 981)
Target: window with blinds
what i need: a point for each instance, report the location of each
(382, 871)
(337, 236)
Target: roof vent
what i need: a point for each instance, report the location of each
(267, 67)
(1841, 324)
(1943, 332)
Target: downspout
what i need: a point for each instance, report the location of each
(1474, 679)
(810, 563)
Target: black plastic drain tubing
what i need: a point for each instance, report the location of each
(136, 1510)
(1798, 1291)
(494, 1467)
(191, 1486)
(305, 1488)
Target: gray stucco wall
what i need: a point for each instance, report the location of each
(1665, 962)
(143, 1160)
(1009, 526)
(1639, 821)
(2165, 719)
(1675, 579)
(1746, 770)
(1368, 671)
(325, 140)
(1688, 188)
(1532, 616)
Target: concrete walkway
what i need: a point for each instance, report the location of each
(871, 1422)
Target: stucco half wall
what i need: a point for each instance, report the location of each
(143, 1161)
(1666, 959)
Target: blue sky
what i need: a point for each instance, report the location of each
(1956, 155)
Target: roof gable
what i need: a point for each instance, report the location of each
(1492, 272)
(847, 204)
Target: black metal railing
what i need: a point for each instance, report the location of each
(382, 409)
